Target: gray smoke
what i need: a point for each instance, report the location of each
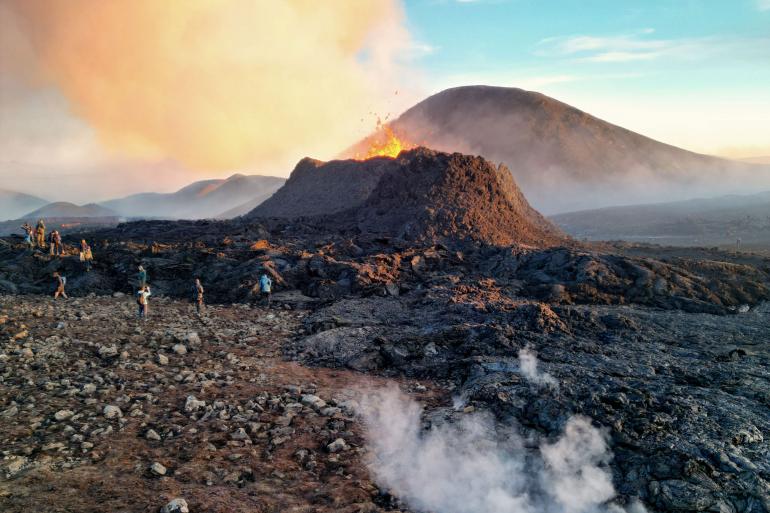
(477, 465)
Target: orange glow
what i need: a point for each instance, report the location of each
(385, 143)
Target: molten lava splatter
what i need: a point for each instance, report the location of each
(385, 143)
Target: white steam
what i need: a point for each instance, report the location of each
(475, 466)
(530, 372)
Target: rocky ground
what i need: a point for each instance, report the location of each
(659, 356)
(685, 396)
(102, 412)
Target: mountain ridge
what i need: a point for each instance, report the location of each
(563, 158)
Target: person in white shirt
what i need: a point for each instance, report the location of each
(141, 300)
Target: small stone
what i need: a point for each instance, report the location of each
(112, 412)
(313, 401)
(63, 415)
(27, 353)
(176, 506)
(239, 434)
(151, 434)
(15, 466)
(179, 349)
(192, 404)
(158, 469)
(193, 339)
(337, 446)
(108, 351)
(162, 359)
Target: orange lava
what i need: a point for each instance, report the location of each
(385, 143)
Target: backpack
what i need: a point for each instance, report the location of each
(139, 298)
(63, 280)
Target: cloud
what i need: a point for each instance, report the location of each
(763, 5)
(214, 84)
(641, 46)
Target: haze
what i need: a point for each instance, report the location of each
(163, 94)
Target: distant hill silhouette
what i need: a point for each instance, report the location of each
(65, 209)
(203, 199)
(563, 158)
(15, 204)
(719, 220)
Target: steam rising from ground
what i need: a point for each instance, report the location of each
(477, 465)
(215, 83)
(528, 367)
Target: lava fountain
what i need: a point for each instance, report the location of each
(384, 142)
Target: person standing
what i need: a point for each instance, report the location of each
(85, 254)
(51, 243)
(40, 230)
(28, 238)
(61, 281)
(141, 300)
(265, 288)
(56, 242)
(198, 295)
(142, 276)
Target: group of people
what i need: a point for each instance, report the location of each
(143, 292)
(36, 236)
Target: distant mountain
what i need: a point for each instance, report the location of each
(62, 209)
(14, 204)
(203, 199)
(703, 221)
(757, 160)
(562, 158)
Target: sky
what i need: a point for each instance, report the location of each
(101, 99)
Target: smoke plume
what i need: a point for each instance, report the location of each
(216, 84)
(475, 465)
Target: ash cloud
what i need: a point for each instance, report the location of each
(477, 465)
(213, 84)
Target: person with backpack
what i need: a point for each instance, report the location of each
(197, 295)
(61, 281)
(56, 246)
(141, 300)
(40, 231)
(265, 288)
(85, 254)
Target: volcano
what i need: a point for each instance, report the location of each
(563, 158)
(422, 195)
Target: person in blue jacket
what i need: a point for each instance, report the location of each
(265, 287)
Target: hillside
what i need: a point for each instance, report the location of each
(421, 195)
(563, 158)
(714, 221)
(65, 209)
(203, 199)
(14, 204)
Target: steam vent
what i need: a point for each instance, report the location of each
(422, 195)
